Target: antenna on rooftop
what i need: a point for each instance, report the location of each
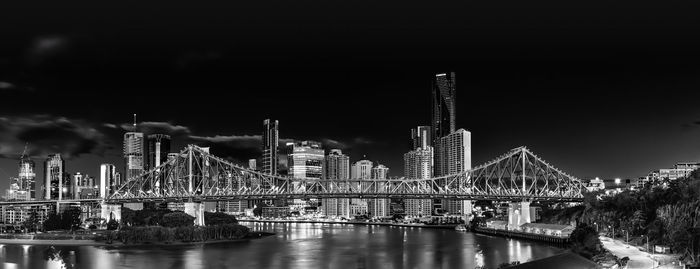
(134, 122)
(24, 152)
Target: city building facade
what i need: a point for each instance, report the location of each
(270, 140)
(418, 164)
(27, 176)
(110, 180)
(158, 149)
(133, 154)
(54, 177)
(336, 167)
(453, 155)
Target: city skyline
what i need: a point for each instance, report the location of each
(602, 97)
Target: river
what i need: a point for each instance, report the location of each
(298, 245)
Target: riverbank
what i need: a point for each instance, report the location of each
(83, 242)
(415, 225)
(522, 235)
(637, 257)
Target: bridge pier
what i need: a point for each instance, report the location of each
(196, 210)
(518, 214)
(111, 211)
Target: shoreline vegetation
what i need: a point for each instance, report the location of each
(664, 213)
(140, 227)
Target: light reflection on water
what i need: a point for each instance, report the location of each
(298, 245)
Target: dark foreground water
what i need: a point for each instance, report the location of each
(298, 245)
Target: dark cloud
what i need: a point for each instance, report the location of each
(45, 49)
(48, 134)
(236, 147)
(6, 85)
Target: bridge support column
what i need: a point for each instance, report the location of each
(197, 211)
(518, 214)
(111, 211)
(466, 210)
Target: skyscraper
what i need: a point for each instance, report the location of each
(158, 149)
(336, 167)
(133, 154)
(380, 172)
(444, 105)
(270, 140)
(421, 137)
(54, 174)
(418, 164)
(454, 155)
(27, 176)
(361, 170)
(109, 179)
(379, 207)
(305, 160)
(253, 164)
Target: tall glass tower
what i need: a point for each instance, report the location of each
(443, 105)
(270, 142)
(133, 154)
(54, 173)
(27, 176)
(158, 149)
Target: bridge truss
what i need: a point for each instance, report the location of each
(197, 175)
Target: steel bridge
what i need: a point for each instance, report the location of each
(195, 175)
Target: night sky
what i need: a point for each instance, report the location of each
(596, 88)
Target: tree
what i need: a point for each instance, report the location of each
(52, 222)
(70, 218)
(257, 211)
(177, 219)
(31, 222)
(638, 221)
(585, 241)
(219, 218)
(128, 216)
(112, 225)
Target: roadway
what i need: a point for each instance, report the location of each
(637, 258)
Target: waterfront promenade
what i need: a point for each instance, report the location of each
(637, 258)
(396, 224)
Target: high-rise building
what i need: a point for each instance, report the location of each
(84, 186)
(380, 172)
(54, 177)
(444, 105)
(305, 160)
(337, 167)
(421, 137)
(77, 185)
(361, 170)
(454, 155)
(418, 164)
(109, 180)
(270, 140)
(252, 164)
(133, 154)
(379, 207)
(27, 176)
(158, 149)
(15, 193)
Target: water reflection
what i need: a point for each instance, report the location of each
(298, 245)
